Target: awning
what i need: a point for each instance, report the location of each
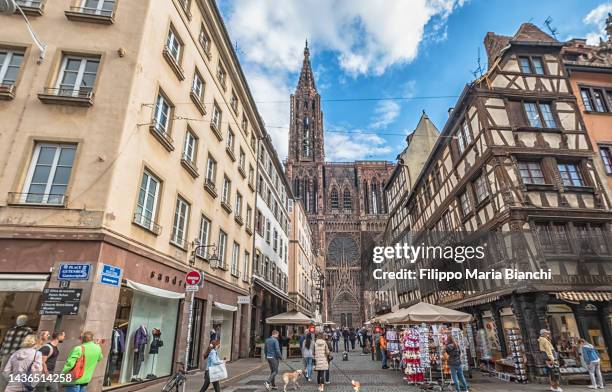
(601, 296)
(272, 289)
(23, 282)
(427, 313)
(475, 302)
(229, 308)
(154, 291)
(292, 317)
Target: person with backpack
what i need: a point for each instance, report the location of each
(593, 362)
(24, 362)
(307, 354)
(81, 363)
(50, 352)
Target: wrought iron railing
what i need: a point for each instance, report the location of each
(80, 92)
(29, 3)
(37, 198)
(7, 88)
(146, 223)
(92, 11)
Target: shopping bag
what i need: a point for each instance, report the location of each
(79, 366)
(217, 372)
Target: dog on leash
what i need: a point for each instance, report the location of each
(292, 377)
(356, 385)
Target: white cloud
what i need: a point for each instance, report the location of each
(386, 112)
(350, 145)
(597, 17)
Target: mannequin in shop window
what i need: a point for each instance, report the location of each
(13, 338)
(141, 338)
(156, 343)
(116, 352)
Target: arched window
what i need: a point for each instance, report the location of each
(306, 195)
(335, 204)
(313, 193)
(347, 199)
(296, 187)
(374, 195)
(366, 197)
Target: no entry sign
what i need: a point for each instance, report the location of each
(193, 278)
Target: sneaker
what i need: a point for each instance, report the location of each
(592, 387)
(602, 387)
(559, 389)
(267, 385)
(274, 388)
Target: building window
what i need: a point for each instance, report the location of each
(249, 213)
(216, 117)
(334, 199)
(230, 140)
(464, 136)
(347, 200)
(531, 172)
(253, 143)
(234, 102)
(246, 261)
(211, 171)
(197, 87)
(10, 62)
(466, 204)
(235, 258)
(162, 116)
(275, 241)
(570, 174)
(185, 4)
(222, 247)
(238, 204)
(531, 65)
(553, 237)
(242, 159)
(174, 45)
(594, 99)
(481, 187)
(245, 124)
(190, 148)
(204, 40)
(540, 115)
(221, 74)
(77, 76)
(227, 189)
(251, 174)
(181, 220)
(148, 195)
(49, 173)
(204, 236)
(605, 152)
(268, 231)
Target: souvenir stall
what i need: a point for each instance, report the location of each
(291, 318)
(423, 358)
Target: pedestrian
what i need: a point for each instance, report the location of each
(329, 358)
(273, 355)
(593, 362)
(352, 338)
(308, 355)
(552, 364)
(50, 352)
(25, 362)
(321, 355)
(345, 339)
(91, 353)
(335, 339)
(454, 363)
(383, 351)
(212, 359)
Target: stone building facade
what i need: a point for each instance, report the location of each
(344, 202)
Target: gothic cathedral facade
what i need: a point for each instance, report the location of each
(344, 202)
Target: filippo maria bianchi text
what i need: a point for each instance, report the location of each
(436, 274)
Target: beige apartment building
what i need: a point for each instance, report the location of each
(127, 153)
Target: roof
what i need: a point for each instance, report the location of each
(307, 80)
(527, 33)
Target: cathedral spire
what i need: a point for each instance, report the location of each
(306, 77)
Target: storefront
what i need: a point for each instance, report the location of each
(20, 294)
(144, 335)
(222, 322)
(197, 338)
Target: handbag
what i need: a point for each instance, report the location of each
(27, 386)
(79, 366)
(217, 372)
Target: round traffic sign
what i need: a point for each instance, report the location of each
(193, 278)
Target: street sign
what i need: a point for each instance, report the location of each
(60, 302)
(64, 284)
(244, 299)
(192, 287)
(193, 278)
(74, 271)
(110, 275)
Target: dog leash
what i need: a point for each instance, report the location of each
(344, 374)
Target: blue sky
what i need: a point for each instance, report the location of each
(364, 49)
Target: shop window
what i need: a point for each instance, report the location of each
(565, 334)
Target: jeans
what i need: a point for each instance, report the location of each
(457, 375)
(215, 384)
(47, 387)
(273, 363)
(335, 346)
(308, 363)
(595, 373)
(75, 387)
(383, 354)
(346, 344)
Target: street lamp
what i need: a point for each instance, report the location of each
(213, 259)
(9, 7)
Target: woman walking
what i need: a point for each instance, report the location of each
(212, 359)
(25, 362)
(321, 353)
(308, 355)
(454, 363)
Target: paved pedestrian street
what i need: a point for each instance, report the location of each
(372, 378)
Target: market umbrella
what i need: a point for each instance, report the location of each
(383, 318)
(292, 317)
(329, 323)
(427, 313)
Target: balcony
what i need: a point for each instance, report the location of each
(37, 199)
(190, 166)
(241, 171)
(210, 187)
(91, 15)
(198, 103)
(174, 64)
(226, 206)
(162, 136)
(239, 220)
(249, 229)
(216, 131)
(67, 96)
(7, 91)
(231, 154)
(146, 224)
(31, 7)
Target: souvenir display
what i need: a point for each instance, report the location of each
(517, 350)
(411, 359)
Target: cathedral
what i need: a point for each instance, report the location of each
(344, 202)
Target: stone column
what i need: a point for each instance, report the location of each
(245, 331)
(236, 333)
(500, 329)
(206, 326)
(604, 319)
(581, 323)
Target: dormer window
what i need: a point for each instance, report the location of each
(531, 65)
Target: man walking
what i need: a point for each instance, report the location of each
(593, 362)
(273, 355)
(335, 340)
(345, 339)
(50, 352)
(551, 360)
(92, 353)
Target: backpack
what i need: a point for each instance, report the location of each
(79, 366)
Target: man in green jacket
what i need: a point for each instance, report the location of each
(93, 355)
